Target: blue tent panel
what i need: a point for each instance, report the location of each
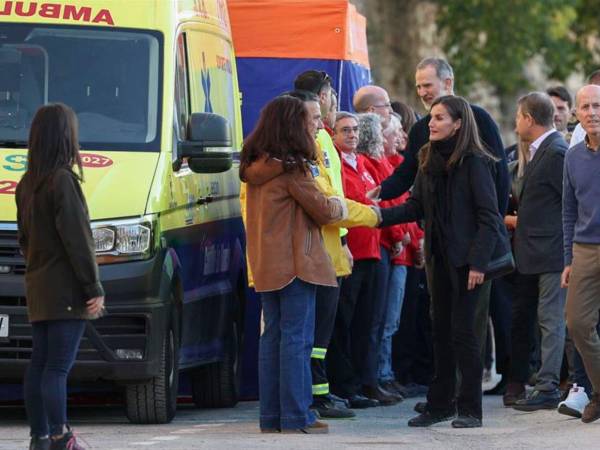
(261, 79)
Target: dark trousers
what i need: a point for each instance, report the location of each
(501, 314)
(455, 345)
(325, 311)
(55, 345)
(351, 359)
(412, 344)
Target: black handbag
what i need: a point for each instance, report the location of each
(499, 267)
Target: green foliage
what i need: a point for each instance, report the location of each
(492, 40)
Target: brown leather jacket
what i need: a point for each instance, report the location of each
(284, 213)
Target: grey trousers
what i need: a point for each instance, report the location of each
(541, 296)
(583, 303)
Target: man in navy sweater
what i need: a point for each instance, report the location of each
(581, 234)
(434, 77)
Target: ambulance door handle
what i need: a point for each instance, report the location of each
(204, 200)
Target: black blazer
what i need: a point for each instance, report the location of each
(57, 242)
(475, 233)
(538, 239)
(402, 179)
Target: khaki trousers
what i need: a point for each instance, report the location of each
(583, 304)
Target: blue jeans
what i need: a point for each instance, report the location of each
(395, 298)
(285, 382)
(55, 345)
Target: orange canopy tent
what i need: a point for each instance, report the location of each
(275, 40)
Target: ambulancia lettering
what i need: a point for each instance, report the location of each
(56, 11)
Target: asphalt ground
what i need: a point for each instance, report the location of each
(378, 428)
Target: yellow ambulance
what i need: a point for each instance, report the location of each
(154, 86)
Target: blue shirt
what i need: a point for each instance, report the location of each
(581, 198)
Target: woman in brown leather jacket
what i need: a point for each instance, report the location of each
(284, 213)
(61, 279)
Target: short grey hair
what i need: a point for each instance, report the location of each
(370, 141)
(443, 69)
(394, 124)
(344, 115)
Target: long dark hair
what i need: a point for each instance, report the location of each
(282, 133)
(467, 136)
(53, 145)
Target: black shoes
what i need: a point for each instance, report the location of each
(466, 422)
(326, 408)
(358, 401)
(420, 407)
(395, 388)
(427, 419)
(539, 400)
(384, 397)
(38, 443)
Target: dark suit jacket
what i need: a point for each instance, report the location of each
(475, 232)
(538, 239)
(404, 175)
(57, 242)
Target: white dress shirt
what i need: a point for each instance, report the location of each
(533, 147)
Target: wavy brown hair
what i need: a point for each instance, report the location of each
(53, 145)
(282, 133)
(467, 142)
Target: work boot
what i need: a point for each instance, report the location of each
(327, 409)
(378, 393)
(592, 409)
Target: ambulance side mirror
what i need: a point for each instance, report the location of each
(207, 131)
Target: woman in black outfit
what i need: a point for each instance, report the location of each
(454, 192)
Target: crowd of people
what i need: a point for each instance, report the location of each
(391, 250)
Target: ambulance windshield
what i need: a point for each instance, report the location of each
(110, 77)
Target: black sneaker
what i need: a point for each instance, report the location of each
(326, 409)
(38, 443)
(427, 419)
(539, 400)
(466, 422)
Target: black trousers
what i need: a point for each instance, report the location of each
(325, 311)
(500, 312)
(455, 345)
(412, 345)
(351, 358)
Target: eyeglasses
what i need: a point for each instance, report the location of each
(385, 105)
(348, 130)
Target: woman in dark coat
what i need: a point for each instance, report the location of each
(61, 279)
(454, 192)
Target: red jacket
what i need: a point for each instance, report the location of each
(381, 169)
(362, 241)
(407, 257)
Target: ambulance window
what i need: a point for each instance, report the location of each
(213, 86)
(112, 79)
(182, 99)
